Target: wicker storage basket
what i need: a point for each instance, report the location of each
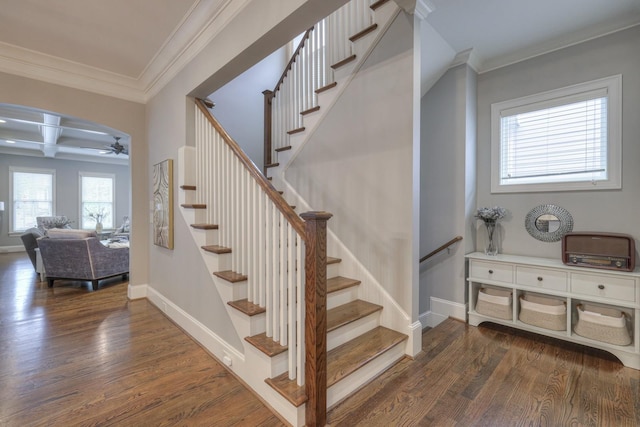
(543, 312)
(602, 324)
(495, 303)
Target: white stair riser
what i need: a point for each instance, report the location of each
(274, 366)
(247, 326)
(362, 376)
(343, 296)
(231, 291)
(352, 330)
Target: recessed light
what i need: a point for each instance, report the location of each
(10, 142)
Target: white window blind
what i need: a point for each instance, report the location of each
(32, 196)
(560, 140)
(549, 144)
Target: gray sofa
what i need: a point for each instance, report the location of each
(82, 259)
(30, 242)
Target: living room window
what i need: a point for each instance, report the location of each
(564, 139)
(32, 195)
(97, 196)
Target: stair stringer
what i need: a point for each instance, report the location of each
(384, 17)
(392, 316)
(247, 364)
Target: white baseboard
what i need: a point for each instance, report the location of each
(207, 338)
(441, 310)
(7, 249)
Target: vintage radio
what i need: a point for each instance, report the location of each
(599, 250)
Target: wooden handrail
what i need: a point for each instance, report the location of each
(441, 248)
(292, 217)
(296, 52)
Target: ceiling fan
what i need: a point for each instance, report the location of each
(115, 148)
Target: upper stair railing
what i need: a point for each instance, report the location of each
(310, 68)
(282, 256)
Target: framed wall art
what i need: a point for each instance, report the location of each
(163, 204)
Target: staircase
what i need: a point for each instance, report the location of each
(270, 265)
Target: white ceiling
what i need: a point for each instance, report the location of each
(507, 31)
(131, 48)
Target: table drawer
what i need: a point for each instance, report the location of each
(542, 278)
(611, 287)
(491, 271)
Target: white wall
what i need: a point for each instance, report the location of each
(125, 116)
(240, 104)
(358, 164)
(607, 211)
(66, 188)
(447, 183)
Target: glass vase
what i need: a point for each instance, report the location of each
(492, 247)
(98, 227)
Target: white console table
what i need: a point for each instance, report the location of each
(574, 285)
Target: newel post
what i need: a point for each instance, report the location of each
(316, 316)
(268, 97)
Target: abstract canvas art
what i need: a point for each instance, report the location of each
(163, 204)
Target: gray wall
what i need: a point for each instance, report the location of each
(358, 165)
(447, 182)
(67, 188)
(607, 211)
(239, 104)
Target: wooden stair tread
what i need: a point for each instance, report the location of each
(333, 260)
(294, 131)
(289, 389)
(205, 226)
(327, 87)
(248, 308)
(188, 187)
(310, 110)
(350, 356)
(266, 344)
(285, 148)
(216, 249)
(349, 312)
(272, 165)
(345, 61)
(338, 283)
(363, 33)
(377, 4)
(194, 205)
(230, 276)
(342, 361)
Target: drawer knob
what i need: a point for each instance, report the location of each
(539, 278)
(600, 286)
(490, 271)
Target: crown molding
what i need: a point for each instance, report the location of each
(467, 57)
(200, 25)
(420, 8)
(203, 23)
(41, 66)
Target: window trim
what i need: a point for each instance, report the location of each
(20, 169)
(613, 87)
(82, 174)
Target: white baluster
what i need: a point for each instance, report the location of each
(300, 317)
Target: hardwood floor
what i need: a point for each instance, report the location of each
(497, 376)
(73, 357)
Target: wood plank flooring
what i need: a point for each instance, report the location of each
(73, 357)
(497, 376)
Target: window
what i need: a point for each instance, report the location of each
(97, 197)
(32, 195)
(565, 139)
